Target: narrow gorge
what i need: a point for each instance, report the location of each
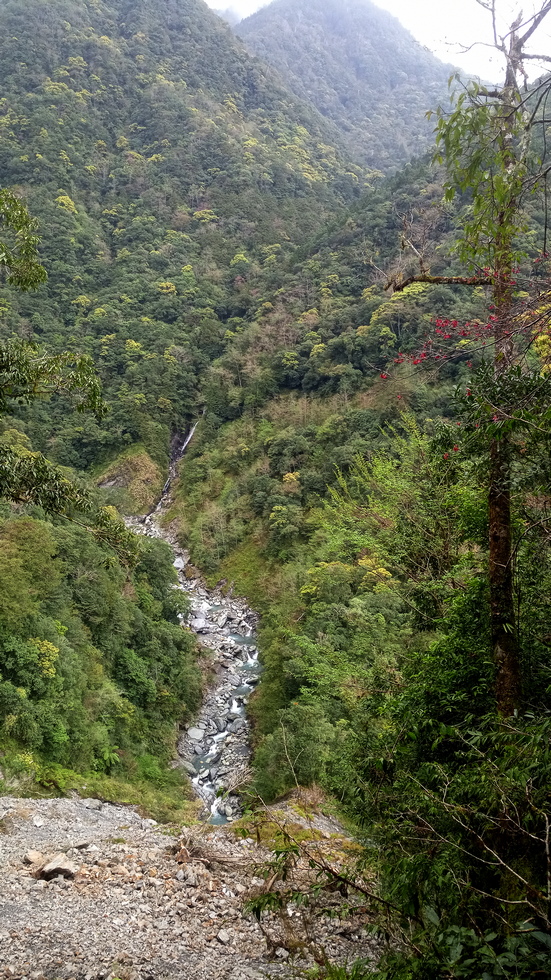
(214, 750)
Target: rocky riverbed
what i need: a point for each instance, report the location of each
(90, 890)
(214, 750)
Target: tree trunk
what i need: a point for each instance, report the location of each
(504, 636)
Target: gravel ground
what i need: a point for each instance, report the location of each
(126, 899)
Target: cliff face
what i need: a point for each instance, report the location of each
(358, 66)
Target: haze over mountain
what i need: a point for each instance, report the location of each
(228, 14)
(359, 67)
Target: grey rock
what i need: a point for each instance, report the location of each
(196, 734)
(188, 767)
(237, 726)
(199, 625)
(60, 865)
(92, 804)
(224, 937)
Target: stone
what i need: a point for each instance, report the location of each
(7, 824)
(281, 953)
(93, 804)
(59, 865)
(199, 625)
(196, 734)
(188, 767)
(223, 937)
(33, 857)
(237, 726)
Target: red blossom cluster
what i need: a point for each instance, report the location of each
(452, 330)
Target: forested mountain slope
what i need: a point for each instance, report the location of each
(359, 66)
(166, 168)
(218, 256)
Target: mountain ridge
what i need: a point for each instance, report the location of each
(359, 66)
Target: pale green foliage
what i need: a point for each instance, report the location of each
(485, 144)
(19, 252)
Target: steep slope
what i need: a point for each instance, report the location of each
(166, 167)
(359, 66)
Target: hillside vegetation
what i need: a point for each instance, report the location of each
(369, 360)
(359, 67)
(166, 169)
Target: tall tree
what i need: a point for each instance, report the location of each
(27, 373)
(487, 146)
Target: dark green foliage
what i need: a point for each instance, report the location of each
(19, 250)
(27, 374)
(184, 201)
(165, 167)
(378, 674)
(92, 672)
(359, 66)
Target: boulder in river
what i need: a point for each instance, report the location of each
(200, 625)
(196, 734)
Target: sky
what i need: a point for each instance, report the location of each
(444, 25)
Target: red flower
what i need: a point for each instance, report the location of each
(383, 375)
(446, 455)
(456, 449)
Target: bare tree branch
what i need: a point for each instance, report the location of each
(400, 284)
(536, 21)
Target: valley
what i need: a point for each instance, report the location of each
(275, 394)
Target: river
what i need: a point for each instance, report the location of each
(214, 750)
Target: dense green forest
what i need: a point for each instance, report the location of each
(359, 67)
(369, 359)
(168, 172)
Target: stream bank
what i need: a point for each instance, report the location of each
(214, 751)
